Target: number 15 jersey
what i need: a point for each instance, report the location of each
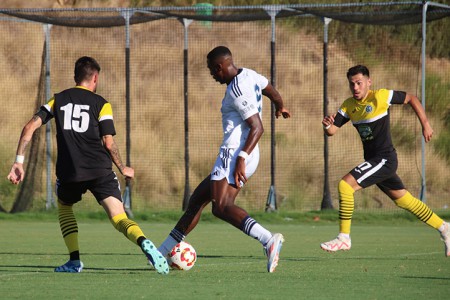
(82, 118)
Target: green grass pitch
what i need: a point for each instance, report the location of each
(401, 261)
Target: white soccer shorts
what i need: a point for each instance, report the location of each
(226, 163)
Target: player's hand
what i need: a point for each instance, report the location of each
(16, 174)
(282, 112)
(239, 172)
(427, 132)
(128, 172)
(328, 120)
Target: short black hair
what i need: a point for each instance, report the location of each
(217, 52)
(359, 69)
(85, 67)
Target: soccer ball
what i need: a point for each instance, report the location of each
(182, 256)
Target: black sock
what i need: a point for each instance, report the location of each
(75, 255)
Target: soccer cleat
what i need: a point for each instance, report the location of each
(339, 243)
(151, 264)
(157, 260)
(272, 251)
(445, 236)
(72, 266)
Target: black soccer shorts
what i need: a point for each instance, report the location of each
(101, 188)
(380, 171)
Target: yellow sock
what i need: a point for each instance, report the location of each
(128, 227)
(419, 209)
(69, 227)
(346, 206)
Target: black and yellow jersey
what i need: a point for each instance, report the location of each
(370, 116)
(82, 118)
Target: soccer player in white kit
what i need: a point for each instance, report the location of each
(238, 156)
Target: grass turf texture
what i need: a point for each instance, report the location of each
(403, 260)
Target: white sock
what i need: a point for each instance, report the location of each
(256, 231)
(344, 235)
(172, 239)
(167, 245)
(442, 227)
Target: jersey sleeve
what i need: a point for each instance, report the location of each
(389, 97)
(105, 119)
(263, 82)
(398, 97)
(342, 117)
(245, 103)
(46, 111)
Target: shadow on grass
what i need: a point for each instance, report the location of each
(423, 277)
(257, 257)
(51, 269)
(65, 254)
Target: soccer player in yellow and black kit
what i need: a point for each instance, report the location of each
(86, 150)
(368, 110)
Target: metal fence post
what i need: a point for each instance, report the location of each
(48, 127)
(326, 199)
(187, 190)
(271, 204)
(127, 193)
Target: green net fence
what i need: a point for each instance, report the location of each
(387, 37)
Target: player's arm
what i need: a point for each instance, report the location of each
(274, 96)
(256, 131)
(17, 173)
(427, 131)
(111, 147)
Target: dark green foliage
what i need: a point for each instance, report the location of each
(442, 144)
(437, 96)
(403, 137)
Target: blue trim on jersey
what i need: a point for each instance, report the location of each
(235, 87)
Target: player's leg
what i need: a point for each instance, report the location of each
(187, 222)
(403, 199)
(365, 174)
(224, 207)
(223, 194)
(68, 194)
(107, 192)
(199, 199)
(346, 189)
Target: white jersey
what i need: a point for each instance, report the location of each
(243, 99)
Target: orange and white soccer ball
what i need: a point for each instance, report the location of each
(182, 256)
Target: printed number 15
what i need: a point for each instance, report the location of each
(76, 117)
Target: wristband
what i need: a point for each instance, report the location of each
(20, 159)
(243, 154)
(326, 127)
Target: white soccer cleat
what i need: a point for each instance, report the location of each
(339, 243)
(445, 236)
(272, 250)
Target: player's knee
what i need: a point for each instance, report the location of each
(117, 221)
(345, 188)
(218, 209)
(405, 201)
